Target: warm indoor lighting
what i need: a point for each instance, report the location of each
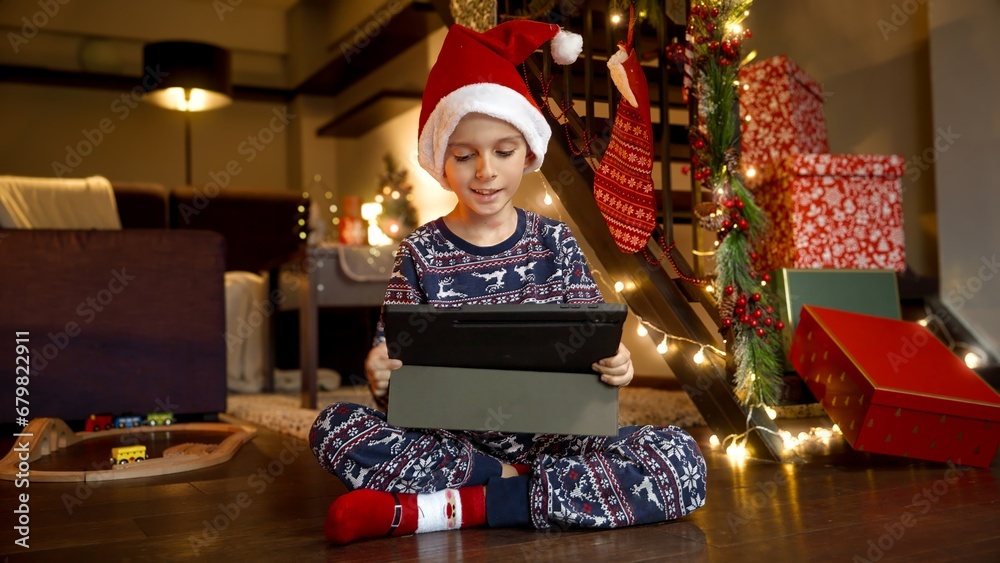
(771, 413)
(973, 360)
(923, 322)
(699, 357)
(619, 286)
(661, 348)
(547, 200)
(641, 330)
(192, 76)
(709, 288)
(187, 76)
(751, 172)
(713, 441)
(616, 19)
(370, 211)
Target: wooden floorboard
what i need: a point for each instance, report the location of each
(269, 504)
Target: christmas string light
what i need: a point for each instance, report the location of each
(642, 329)
(974, 356)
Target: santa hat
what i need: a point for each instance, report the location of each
(477, 73)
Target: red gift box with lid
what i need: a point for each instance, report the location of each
(824, 210)
(785, 110)
(893, 388)
(833, 211)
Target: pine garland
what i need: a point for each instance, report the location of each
(714, 40)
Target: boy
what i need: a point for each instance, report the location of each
(480, 131)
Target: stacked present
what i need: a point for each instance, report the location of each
(825, 210)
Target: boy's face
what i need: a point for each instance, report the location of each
(484, 164)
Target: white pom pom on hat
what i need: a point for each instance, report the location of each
(477, 73)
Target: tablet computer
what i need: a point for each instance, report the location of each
(557, 337)
(510, 368)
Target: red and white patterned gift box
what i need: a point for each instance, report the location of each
(785, 110)
(833, 211)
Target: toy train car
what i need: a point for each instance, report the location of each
(128, 421)
(160, 418)
(128, 454)
(98, 422)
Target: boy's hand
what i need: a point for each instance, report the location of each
(616, 370)
(378, 368)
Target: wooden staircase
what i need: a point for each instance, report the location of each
(655, 291)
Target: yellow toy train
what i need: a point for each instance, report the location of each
(128, 454)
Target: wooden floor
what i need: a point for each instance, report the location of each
(269, 504)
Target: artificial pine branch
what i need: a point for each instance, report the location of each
(714, 43)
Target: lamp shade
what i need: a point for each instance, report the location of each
(194, 76)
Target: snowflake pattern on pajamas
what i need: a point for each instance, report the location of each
(645, 474)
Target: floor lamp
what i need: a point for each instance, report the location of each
(192, 77)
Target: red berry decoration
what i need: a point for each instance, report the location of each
(753, 256)
(755, 297)
(685, 170)
(760, 332)
(779, 325)
(675, 53)
(770, 309)
(744, 319)
(753, 323)
(741, 302)
(729, 290)
(710, 27)
(723, 62)
(713, 46)
(738, 311)
(699, 144)
(727, 322)
(768, 321)
(715, 12)
(765, 277)
(727, 203)
(739, 203)
(743, 225)
(758, 313)
(747, 34)
(726, 224)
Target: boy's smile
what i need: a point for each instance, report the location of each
(484, 164)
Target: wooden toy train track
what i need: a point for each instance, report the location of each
(54, 453)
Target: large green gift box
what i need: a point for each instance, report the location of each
(869, 292)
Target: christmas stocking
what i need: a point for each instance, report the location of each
(623, 184)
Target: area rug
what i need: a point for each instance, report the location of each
(637, 406)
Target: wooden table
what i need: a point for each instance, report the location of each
(334, 276)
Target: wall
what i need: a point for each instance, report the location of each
(359, 160)
(871, 57)
(144, 143)
(966, 80)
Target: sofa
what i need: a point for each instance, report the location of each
(133, 321)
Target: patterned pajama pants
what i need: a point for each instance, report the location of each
(647, 474)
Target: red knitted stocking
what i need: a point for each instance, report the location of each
(623, 184)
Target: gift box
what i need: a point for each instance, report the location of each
(785, 110)
(871, 292)
(893, 388)
(833, 211)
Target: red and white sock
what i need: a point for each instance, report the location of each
(366, 513)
